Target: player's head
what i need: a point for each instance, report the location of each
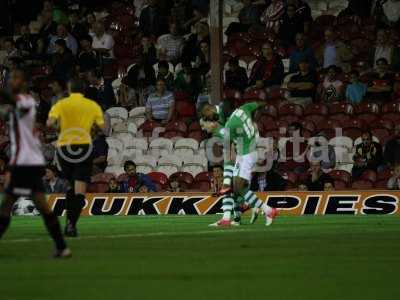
(76, 86)
(209, 113)
(130, 168)
(18, 81)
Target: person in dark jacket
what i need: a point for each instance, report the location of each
(317, 179)
(268, 70)
(62, 61)
(135, 181)
(151, 21)
(236, 76)
(54, 184)
(392, 148)
(100, 90)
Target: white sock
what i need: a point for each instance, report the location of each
(267, 209)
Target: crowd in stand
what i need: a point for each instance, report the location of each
(315, 74)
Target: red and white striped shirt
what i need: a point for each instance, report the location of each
(25, 144)
(273, 16)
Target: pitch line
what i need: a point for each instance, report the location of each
(136, 235)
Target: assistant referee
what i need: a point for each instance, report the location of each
(75, 117)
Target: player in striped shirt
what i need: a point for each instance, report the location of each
(27, 162)
(240, 130)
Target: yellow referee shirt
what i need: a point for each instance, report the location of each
(76, 116)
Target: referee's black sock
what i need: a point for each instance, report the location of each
(53, 226)
(4, 223)
(69, 205)
(79, 203)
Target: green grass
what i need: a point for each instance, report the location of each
(179, 257)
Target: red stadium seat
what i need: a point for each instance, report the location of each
(362, 185)
(195, 126)
(98, 187)
(368, 118)
(316, 119)
(177, 126)
(254, 95)
(340, 108)
(341, 117)
(382, 123)
(270, 110)
(328, 124)
(392, 107)
(198, 135)
(148, 127)
(365, 107)
(185, 179)
(341, 175)
(201, 186)
(159, 178)
(291, 177)
(381, 184)
(185, 109)
(316, 109)
(392, 116)
(353, 122)
(289, 118)
(369, 175)
(203, 176)
(291, 109)
(382, 134)
(340, 185)
(102, 177)
(385, 175)
(353, 133)
(172, 134)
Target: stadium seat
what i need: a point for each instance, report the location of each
(186, 147)
(201, 186)
(148, 127)
(198, 160)
(385, 174)
(167, 169)
(160, 147)
(173, 135)
(391, 107)
(145, 164)
(316, 119)
(137, 111)
(369, 175)
(114, 143)
(353, 133)
(197, 135)
(289, 118)
(116, 170)
(381, 184)
(132, 128)
(160, 179)
(119, 127)
(291, 109)
(177, 126)
(353, 123)
(114, 157)
(136, 143)
(254, 94)
(182, 178)
(392, 116)
(340, 185)
(118, 113)
(124, 136)
(102, 177)
(362, 185)
(382, 123)
(194, 126)
(170, 160)
(339, 107)
(98, 187)
(203, 176)
(382, 134)
(341, 175)
(368, 118)
(365, 107)
(270, 110)
(341, 141)
(343, 155)
(185, 109)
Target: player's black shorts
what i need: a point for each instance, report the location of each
(76, 162)
(26, 180)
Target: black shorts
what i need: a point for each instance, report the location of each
(25, 181)
(76, 162)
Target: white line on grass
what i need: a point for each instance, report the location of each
(138, 235)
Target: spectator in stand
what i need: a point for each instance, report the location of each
(151, 21)
(87, 59)
(191, 48)
(174, 186)
(203, 59)
(303, 12)
(164, 73)
(78, 30)
(268, 70)
(49, 26)
(160, 105)
(10, 51)
(291, 26)
(359, 8)
(100, 152)
(148, 52)
(217, 178)
(59, 89)
(113, 186)
(302, 186)
(90, 23)
(380, 86)
(394, 181)
(384, 48)
(188, 81)
(272, 17)
(100, 90)
(317, 178)
(392, 148)
(356, 91)
(368, 156)
(54, 184)
(331, 89)
(302, 52)
(62, 61)
(333, 52)
(236, 76)
(135, 180)
(249, 16)
(391, 12)
(103, 42)
(26, 43)
(329, 185)
(63, 34)
(302, 86)
(180, 13)
(321, 151)
(170, 45)
(268, 179)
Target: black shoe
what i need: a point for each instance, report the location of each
(62, 254)
(70, 231)
(237, 220)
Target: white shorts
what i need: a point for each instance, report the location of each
(244, 165)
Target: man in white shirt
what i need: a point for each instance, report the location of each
(170, 45)
(102, 41)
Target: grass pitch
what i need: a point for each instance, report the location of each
(179, 257)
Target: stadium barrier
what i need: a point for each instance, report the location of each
(289, 203)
